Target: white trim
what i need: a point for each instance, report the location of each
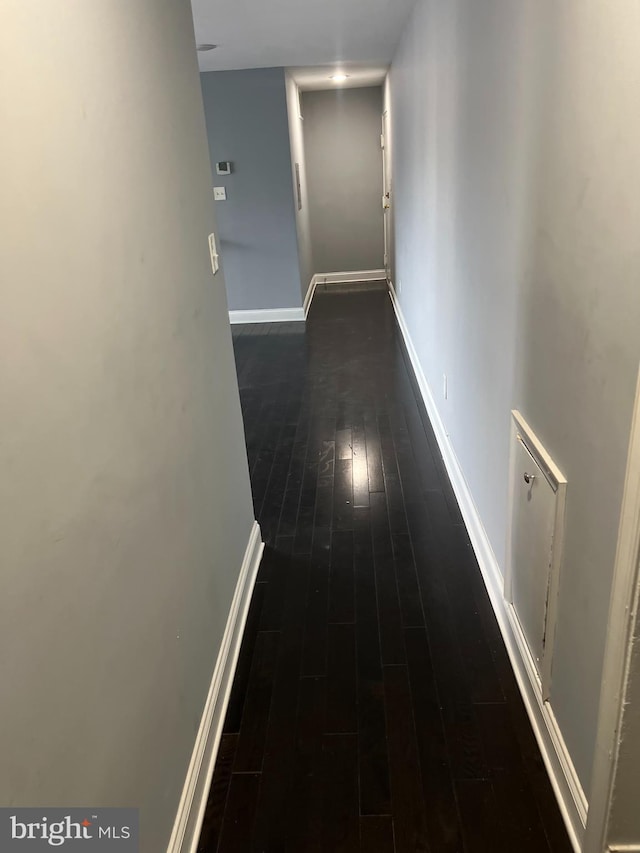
(624, 848)
(623, 614)
(348, 277)
(534, 443)
(311, 290)
(339, 278)
(284, 315)
(188, 822)
(267, 315)
(556, 756)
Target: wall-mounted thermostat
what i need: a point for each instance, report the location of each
(224, 167)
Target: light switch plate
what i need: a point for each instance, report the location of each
(220, 193)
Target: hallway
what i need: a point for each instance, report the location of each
(374, 707)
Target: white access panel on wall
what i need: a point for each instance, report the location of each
(534, 509)
(534, 548)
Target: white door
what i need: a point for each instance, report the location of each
(532, 530)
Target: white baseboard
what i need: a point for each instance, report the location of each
(188, 822)
(339, 278)
(310, 294)
(556, 756)
(347, 277)
(624, 848)
(287, 315)
(267, 315)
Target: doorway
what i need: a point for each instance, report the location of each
(342, 153)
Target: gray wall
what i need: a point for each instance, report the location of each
(247, 123)
(517, 210)
(125, 505)
(299, 157)
(342, 130)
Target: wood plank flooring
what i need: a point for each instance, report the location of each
(374, 708)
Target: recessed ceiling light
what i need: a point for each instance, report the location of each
(339, 78)
(204, 47)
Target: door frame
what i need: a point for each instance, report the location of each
(386, 194)
(623, 618)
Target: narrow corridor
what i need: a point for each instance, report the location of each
(374, 707)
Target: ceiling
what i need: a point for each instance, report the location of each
(299, 33)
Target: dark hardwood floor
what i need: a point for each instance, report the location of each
(374, 707)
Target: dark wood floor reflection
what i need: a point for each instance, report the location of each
(373, 707)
